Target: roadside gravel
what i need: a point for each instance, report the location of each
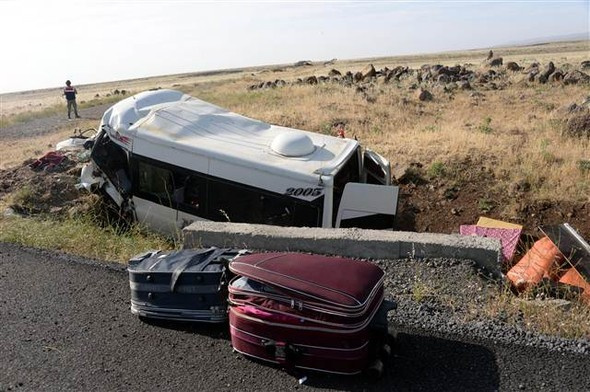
(412, 283)
(66, 325)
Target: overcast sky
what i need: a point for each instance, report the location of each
(46, 42)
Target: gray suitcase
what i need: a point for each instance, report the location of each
(185, 285)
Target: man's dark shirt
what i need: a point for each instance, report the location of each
(70, 93)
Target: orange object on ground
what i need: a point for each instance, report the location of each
(574, 278)
(494, 223)
(537, 262)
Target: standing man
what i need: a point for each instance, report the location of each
(70, 94)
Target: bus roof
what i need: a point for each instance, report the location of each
(168, 119)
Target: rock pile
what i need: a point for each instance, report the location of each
(493, 75)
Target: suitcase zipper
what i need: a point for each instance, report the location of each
(359, 327)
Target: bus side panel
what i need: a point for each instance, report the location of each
(156, 216)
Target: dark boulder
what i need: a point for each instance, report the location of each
(423, 95)
(443, 79)
(556, 76)
(310, 80)
(549, 69)
(575, 77)
(368, 72)
(513, 66)
(495, 62)
(464, 85)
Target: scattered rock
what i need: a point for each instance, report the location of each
(584, 165)
(423, 95)
(368, 72)
(578, 126)
(575, 77)
(495, 62)
(443, 79)
(532, 74)
(334, 72)
(303, 63)
(544, 76)
(9, 211)
(310, 80)
(585, 64)
(464, 85)
(513, 66)
(556, 76)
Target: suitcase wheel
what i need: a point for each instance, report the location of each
(385, 352)
(391, 338)
(391, 332)
(375, 370)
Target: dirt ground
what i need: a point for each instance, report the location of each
(441, 206)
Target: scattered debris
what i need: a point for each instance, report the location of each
(77, 141)
(508, 237)
(562, 256)
(49, 161)
(535, 264)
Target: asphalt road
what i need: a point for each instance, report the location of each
(66, 325)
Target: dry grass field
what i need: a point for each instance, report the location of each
(506, 146)
(505, 138)
(498, 148)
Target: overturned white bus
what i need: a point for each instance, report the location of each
(169, 159)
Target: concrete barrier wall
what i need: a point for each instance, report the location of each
(359, 243)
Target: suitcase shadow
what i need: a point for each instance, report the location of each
(418, 363)
(212, 330)
(421, 363)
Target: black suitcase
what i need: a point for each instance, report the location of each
(185, 285)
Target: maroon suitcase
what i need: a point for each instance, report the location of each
(306, 311)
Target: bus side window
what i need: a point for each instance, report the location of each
(192, 198)
(155, 183)
(276, 211)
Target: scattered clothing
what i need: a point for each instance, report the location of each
(48, 161)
